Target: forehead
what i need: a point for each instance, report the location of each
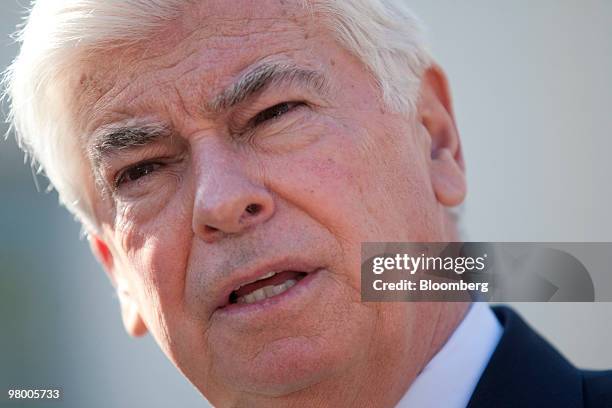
(190, 59)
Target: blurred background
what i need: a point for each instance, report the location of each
(531, 84)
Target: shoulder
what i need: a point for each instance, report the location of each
(597, 388)
(525, 370)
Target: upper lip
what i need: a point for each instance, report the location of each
(256, 270)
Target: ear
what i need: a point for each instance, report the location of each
(133, 322)
(435, 113)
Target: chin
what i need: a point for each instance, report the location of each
(284, 366)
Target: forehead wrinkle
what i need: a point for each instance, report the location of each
(113, 83)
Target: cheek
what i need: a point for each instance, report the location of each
(359, 185)
(157, 253)
(147, 199)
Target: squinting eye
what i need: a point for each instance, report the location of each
(274, 112)
(135, 172)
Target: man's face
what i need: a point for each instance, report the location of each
(242, 141)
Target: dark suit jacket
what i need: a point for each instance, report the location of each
(525, 371)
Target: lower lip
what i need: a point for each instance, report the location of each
(300, 289)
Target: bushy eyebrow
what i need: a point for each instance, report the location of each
(111, 140)
(265, 75)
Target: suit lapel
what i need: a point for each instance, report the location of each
(525, 371)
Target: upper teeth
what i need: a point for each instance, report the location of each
(266, 276)
(266, 292)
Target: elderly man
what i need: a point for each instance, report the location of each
(228, 158)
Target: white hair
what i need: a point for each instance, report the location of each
(383, 34)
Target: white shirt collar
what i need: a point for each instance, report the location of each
(450, 378)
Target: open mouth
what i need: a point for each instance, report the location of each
(267, 286)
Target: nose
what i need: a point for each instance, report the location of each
(228, 202)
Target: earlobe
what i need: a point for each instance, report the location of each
(448, 179)
(132, 321)
(437, 118)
